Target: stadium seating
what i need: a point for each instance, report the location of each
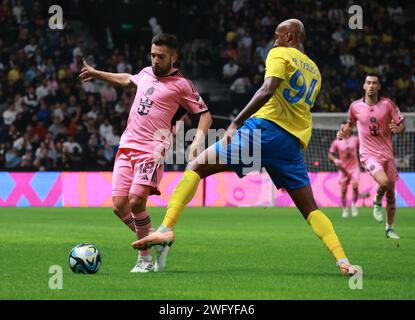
(49, 120)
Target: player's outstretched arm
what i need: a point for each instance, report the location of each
(89, 73)
(258, 100)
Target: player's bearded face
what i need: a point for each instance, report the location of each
(162, 60)
(371, 86)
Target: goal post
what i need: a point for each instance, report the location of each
(325, 127)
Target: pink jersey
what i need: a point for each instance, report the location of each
(157, 104)
(373, 121)
(347, 151)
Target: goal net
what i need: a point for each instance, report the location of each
(325, 127)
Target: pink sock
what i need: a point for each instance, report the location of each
(129, 221)
(142, 223)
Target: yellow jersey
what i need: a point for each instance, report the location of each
(290, 104)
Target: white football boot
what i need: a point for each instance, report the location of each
(377, 211)
(161, 258)
(355, 213)
(345, 213)
(390, 233)
(144, 264)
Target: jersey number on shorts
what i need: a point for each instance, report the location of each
(301, 90)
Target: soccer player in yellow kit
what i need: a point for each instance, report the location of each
(281, 110)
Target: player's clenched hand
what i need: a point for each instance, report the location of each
(87, 72)
(394, 127)
(229, 134)
(340, 134)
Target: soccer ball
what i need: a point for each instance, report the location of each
(85, 258)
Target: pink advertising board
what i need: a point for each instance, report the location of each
(93, 189)
(226, 189)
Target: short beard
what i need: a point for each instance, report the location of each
(373, 95)
(161, 72)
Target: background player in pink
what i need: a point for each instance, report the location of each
(161, 93)
(377, 119)
(349, 168)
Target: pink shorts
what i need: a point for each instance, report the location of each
(349, 175)
(373, 166)
(132, 169)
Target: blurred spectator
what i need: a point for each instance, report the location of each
(241, 85)
(155, 27)
(108, 153)
(40, 130)
(12, 159)
(42, 90)
(101, 161)
(23, 143)
(203, 61)
(255, 85)
(30, 98)
(240, 90)
(262, 49)
(57, 129)
(27, 162)
(237, 5)
(71, 145)
(230, 70)
(108, 94)
(105, 130)
(230, 51)
(9, 115)
(346, 58)
(43, 160)
(43, 113)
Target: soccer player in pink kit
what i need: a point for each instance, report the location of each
(162, 94)
(349, 168)
(377, 118)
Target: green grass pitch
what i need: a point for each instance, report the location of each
(220, 253)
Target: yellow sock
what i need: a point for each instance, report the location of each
(182, 195)
(323, 228)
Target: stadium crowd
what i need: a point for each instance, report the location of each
(385, 46)
(50, 120)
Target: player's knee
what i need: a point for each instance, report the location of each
(390, 196)
(120, 208)
(196, 167)
(391, 201)
(385, 184)
(137, 204)
(192, 165)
